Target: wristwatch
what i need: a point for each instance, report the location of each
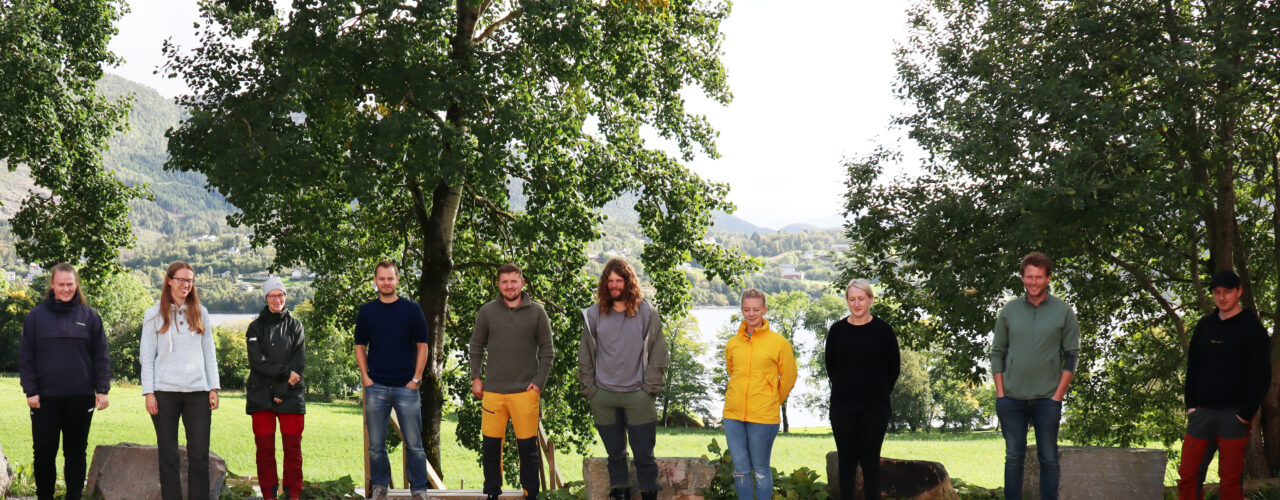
(417, 381)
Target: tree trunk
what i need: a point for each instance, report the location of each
(786, 425)
(433, 296)
(1271, 403)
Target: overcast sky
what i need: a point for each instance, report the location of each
(810, 87)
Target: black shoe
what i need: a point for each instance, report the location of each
(648, 495)
(491, 497)
(620, 494)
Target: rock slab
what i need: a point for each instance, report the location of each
(6, 474)
(907, 479)
(1101, 472)
(129, 471)
(681, 478)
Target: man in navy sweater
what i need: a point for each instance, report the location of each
(391, 349)
(1228, 373)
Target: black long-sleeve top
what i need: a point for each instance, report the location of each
(862, 364)
(1228, 365)
(63, 351)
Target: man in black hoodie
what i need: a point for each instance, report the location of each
(1228, 373)
(274, 391)
(65, 371)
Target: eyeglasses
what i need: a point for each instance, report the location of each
(184, 281)
(275, 296)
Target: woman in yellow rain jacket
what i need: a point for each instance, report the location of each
(762, 371)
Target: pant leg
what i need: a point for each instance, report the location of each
(735, 436)
(870, 428)
(842, 425)
(760, 448)
(526, 409)
(1014, 419)
(611, 424)
(494, 415)
(264, 439)
(408, 406)
(76, 416)
(377, 414)
(291, 425)
(1046, 415)
(642, 430)
(196, 421)
(165, 422)
(1198, 446)
(1233, 441)
(46, 432)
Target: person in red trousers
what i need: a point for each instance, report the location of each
(274, 391)
(1228, 372)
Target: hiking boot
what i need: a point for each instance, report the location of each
(419, 496)
(379, 492)
(491, 496)
(620, 494)
(648, 495)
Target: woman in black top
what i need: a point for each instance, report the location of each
(65, 371)
(862, 365)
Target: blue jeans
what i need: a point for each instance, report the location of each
(379, 400)
(1014, 415)
(750, 445)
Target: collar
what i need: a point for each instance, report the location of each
(764, 327)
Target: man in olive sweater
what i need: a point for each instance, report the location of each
(1033, 358)
(517, 335)
(1228, 373)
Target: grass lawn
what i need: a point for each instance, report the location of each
(332, 442)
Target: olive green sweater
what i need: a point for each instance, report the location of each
(1033, 345)
(518, 343)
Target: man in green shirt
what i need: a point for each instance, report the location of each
(1033, 358)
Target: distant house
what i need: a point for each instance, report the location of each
(206, 237)
(246, 287)
(595, 257)
(233, 251)
(10, 276)
(225, 275)
(789, 273)
(709, 240)
(840, 247)
(808, 255)
(296, 274)
(260, 276)
(33, 270)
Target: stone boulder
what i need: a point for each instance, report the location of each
(680, 478)
(907, 479)
(6, 474)
(129, 471)
(1101, 472)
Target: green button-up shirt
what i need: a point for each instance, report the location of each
(1033, 345)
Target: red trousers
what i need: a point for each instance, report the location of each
(264, 435)
(1213, 429)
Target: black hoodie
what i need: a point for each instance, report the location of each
(1229, 364)
(63, 351)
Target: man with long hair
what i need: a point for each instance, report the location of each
(65, 372)
(622, 361)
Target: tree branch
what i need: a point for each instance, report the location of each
(493, 207)
(488, 31)
(1150, 287)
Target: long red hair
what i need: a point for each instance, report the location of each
(192, 303)
(631, 295)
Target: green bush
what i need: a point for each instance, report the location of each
(16, 300)
(801, 484)
(233, 357)
(573, 490)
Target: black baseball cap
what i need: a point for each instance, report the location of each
(1226, 279)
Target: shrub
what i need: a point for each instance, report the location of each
(233, 357)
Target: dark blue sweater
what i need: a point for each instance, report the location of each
(63, 351)
(391, 333)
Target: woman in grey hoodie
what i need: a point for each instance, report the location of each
(180, 380)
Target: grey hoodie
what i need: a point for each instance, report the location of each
(178, 360)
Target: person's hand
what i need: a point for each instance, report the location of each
(1190, 411)
(213, 399)
(34, 401)
(533, 387)
(152, 407)
(1243, 421)
(366, 381)
(412, 385)
(294, 378)
(477, 388)
(101, 402)
(1057, 398)
(277, 400)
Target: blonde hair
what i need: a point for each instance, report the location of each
(753, 293)
(860, 284)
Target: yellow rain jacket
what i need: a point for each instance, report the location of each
(762, 371)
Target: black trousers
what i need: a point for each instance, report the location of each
(859, 435)
(66, 418)
(193, 409)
